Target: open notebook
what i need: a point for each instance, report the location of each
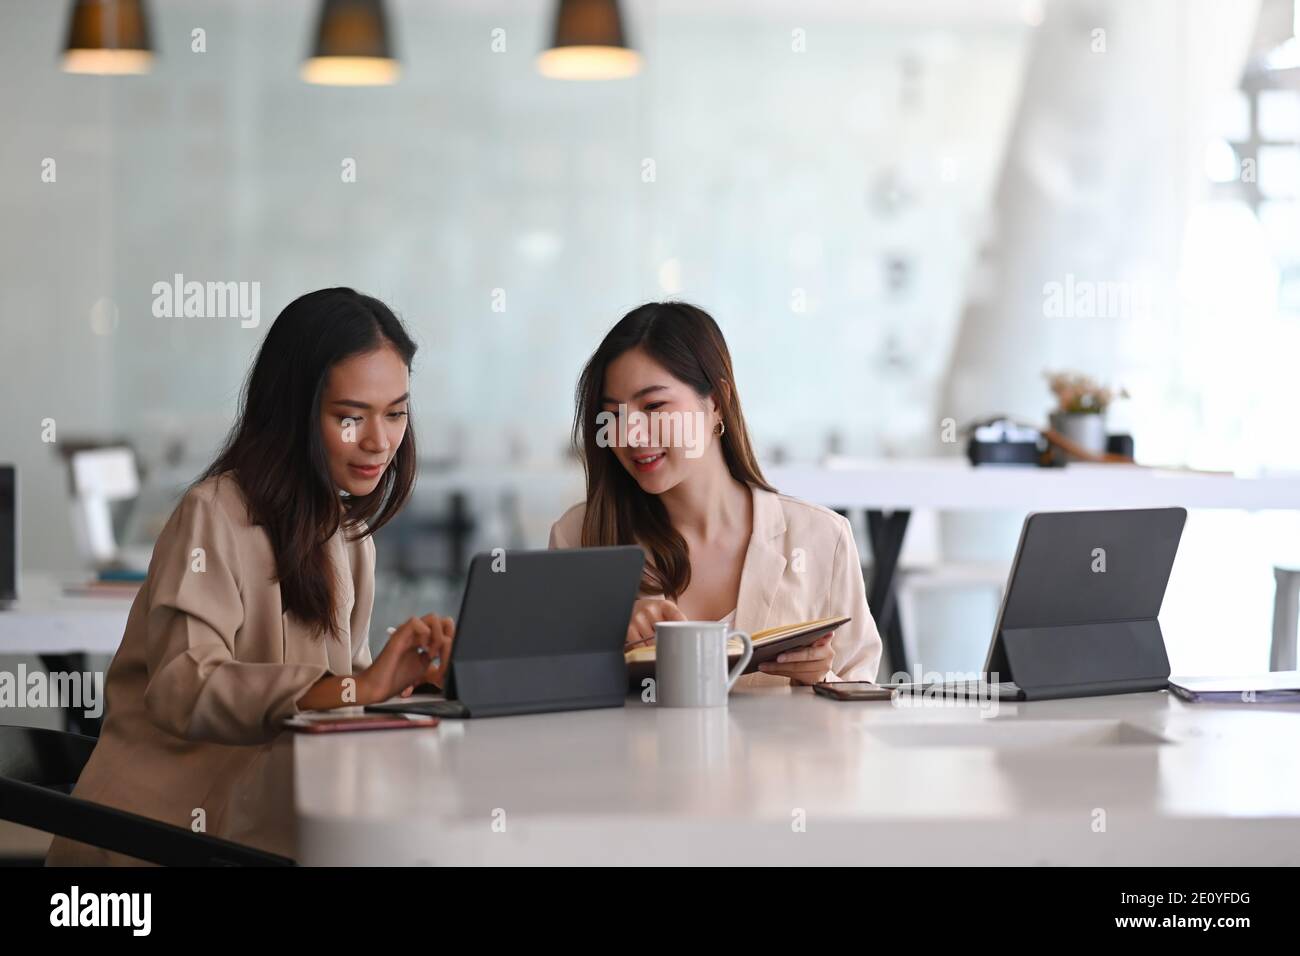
(767, 645)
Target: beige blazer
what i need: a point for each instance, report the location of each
(208, 668)
(802, 564)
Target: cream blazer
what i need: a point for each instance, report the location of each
(802, 564)
(209, 666)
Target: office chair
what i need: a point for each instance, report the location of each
(38, 769)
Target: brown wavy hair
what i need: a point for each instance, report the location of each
(277, 456)
(687, 342)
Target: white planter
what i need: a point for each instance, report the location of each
(1086, 429)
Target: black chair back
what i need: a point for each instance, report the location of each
(38, 769)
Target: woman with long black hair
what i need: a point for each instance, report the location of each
(720, 542)
(258, 598)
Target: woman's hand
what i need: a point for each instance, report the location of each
(646, 613)
(404, 662)
(807, 665)
(444, 633)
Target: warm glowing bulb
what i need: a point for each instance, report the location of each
(107, 62)
(350, 70)
(589, 63)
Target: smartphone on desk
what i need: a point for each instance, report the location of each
(853, 690)
(327, 724)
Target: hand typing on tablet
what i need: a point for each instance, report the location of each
(417, 652)
(806, 665)
(444, 633)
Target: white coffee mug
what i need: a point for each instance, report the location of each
(691, 663)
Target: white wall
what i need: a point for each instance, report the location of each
(772, 173)
(776, 171)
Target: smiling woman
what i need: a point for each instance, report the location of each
(258, 599)
(721, 543)
(342, 360)
(362, 430)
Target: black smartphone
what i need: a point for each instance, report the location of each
(853, 690)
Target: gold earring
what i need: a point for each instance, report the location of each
(721, 429)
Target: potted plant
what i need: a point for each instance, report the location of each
(1081, 405)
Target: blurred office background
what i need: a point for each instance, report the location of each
(872, 198)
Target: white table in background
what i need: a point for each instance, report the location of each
(1170, 783)
(953, 484)
(44, 620)
(61, 629)
(890, 490)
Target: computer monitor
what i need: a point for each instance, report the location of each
(8, 533)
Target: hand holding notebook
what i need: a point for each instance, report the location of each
(768, 645)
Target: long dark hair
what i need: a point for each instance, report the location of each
(276, 454)
(688, 343)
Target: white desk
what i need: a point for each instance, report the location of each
(61, 629)
(953, 484)
(44, 620)
(890, 490)
(1179, 784)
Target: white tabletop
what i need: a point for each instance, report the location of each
(954, 484)
(950, 483)
(1170, 782)
(44, 620)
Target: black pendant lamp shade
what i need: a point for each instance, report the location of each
(108, 37)
(352, 46)
(589, 43)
